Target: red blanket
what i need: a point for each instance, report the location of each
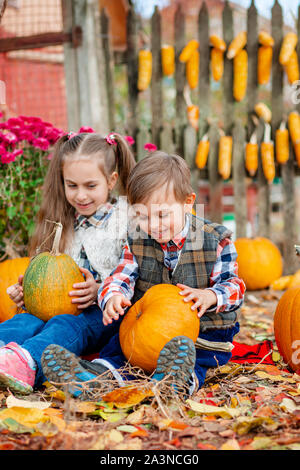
(253, 354)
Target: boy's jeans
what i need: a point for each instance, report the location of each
(112, 356)
(81, 334)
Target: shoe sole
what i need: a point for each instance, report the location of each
(62, 366)
(176, 360)
(8, 381)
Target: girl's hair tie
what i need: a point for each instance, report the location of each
(110, 139)
(72, 134)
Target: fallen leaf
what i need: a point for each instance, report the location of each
(244, 424)
(126, 397)
(274, 378)
(12, 401)
(223, 411)
(126, 428)
(231, 444)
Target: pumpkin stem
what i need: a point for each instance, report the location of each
(56, 241)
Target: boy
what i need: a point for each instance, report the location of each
(168, 245)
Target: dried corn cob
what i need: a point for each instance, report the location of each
(265, 39)
(240, 75)
(263, 111)
(288, 46)
(217, 63)
(251, 155)
(192, 69)
(264, 64)
(282, 144)
(267, 155)
(168, 60)
(217, 42)
(237, 44)
(225, 156)
(294, 126)
(292, 68)
(145, 69)
(202, 152)
(188, 50)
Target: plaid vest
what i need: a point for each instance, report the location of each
(194, 267)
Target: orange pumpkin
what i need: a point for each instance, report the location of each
(287, 328)
(259, 262)
(47, 282)
(10, 270)
(160, 315)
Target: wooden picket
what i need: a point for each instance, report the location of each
(181, 138)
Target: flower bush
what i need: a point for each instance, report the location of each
(25, 151)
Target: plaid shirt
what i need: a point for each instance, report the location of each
(224, 280)
(94, 220)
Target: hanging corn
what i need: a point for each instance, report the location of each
(237, 44)
(202, 152)
(265, 39)
(288, 46)
(294, 126)
(168, 60)
(297, 152)
(188, 50)
(240, 74)
(292, 68)
(263, 111)
(217, 42)
(145, 69)
(217, 63)
(225, 156)
(282, 144)
(267, 155)
(193, 115)
(251, 155)
(192, 69)
(264, 64)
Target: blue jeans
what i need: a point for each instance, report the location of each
(112, 352)
(81, 334)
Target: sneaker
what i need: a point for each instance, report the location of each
(177, 361)
(61, 366)
(15, 371)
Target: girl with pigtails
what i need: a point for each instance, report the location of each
(77, 194)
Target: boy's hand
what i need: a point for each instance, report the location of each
(15, 292)
(85, 291)
(203, 298)
(115, 307)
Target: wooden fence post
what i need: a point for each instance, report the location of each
(238, 179)
(215, 181)
(228, 102)
(70, 68)
(109, 67)
(180, 119)
(156, 83)
(132, 71)
(91, 75)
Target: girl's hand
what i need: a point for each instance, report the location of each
(85, 291)
(15, 292)
(202, 298)
(115, 307)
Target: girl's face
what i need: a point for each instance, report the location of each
(86, 187)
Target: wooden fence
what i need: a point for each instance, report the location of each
(183, 138)
(90, 87)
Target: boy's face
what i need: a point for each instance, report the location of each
(162, 216)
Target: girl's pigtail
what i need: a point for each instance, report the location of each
(125, 161)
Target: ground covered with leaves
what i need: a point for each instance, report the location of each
(240, 407)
